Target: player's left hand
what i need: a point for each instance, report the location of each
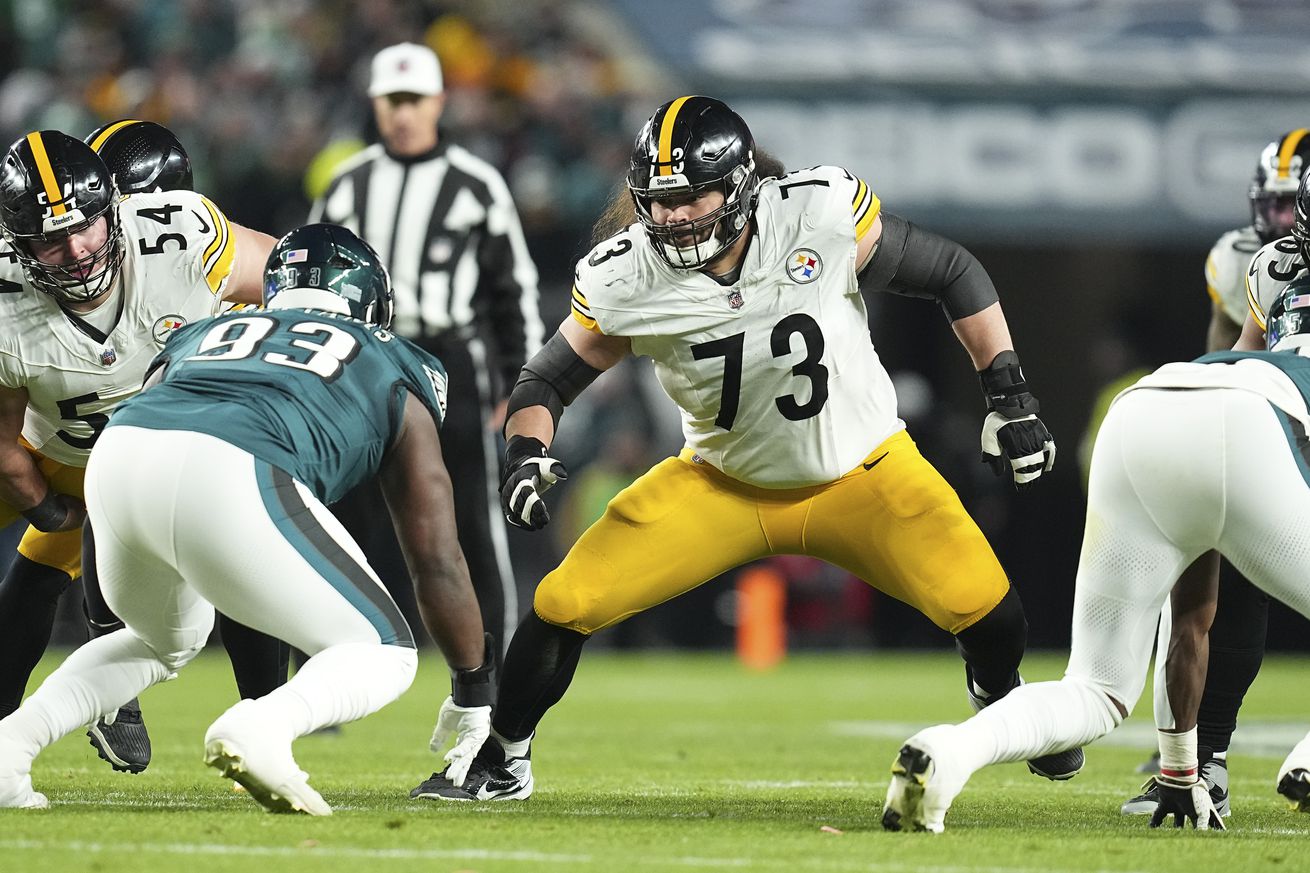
(1186, 801)
(469, 726)
(1024, 445)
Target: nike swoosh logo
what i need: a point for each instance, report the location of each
(874, 462)
(204, 228)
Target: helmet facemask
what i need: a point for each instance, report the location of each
(693, 244)
(1274, 187)
(78, 281)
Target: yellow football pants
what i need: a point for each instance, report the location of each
(893, 521)
(62, 550)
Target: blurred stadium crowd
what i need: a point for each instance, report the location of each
(267, 97)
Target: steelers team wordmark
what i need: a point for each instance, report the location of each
(164, 327)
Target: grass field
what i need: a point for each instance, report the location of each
(659, 762)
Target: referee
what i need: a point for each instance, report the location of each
(466, 290)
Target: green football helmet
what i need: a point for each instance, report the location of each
(1288, 324)
(326, 266)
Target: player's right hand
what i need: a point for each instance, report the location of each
(469, 726)
(529, 473)
(1187, 801)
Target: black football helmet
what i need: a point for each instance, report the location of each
(312, 263)
(51, 187)
(142, 156)
(689, 145)
(1288, 324)
(1281, 165)
(1301, 217)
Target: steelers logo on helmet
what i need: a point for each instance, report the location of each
(690, 146)
(1288, 324)
(327, 267)
(1273, 188)
(54, 187)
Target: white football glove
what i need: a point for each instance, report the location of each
(470, 726)
(1024, 442)
(1187, 800)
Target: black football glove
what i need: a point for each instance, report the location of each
(1187, 799)
(1012, 435)
(529, 473)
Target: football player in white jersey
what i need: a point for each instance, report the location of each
(745, 289)
(1237, 637)
(1197, 457)
(90, 288)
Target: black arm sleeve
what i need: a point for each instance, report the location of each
(553, 378)
(917, 263)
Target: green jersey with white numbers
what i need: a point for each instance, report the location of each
(314, 393)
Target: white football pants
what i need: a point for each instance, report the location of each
(186, 523)
(1174, 474)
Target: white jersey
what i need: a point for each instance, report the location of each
(1225, 271)
(1272, 269)
(179, 257)
(776, 377)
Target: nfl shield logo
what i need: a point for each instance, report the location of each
(735, 300)
(108, 356)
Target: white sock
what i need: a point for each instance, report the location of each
(1035, 720)
(341, 684)
(514, 748)
(94, 681)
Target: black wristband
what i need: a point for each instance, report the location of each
(47, 515)
(520, 448)
(1005, 389)
(476, 687)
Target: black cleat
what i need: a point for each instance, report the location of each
(487, 779)
(125, 744)
(1058, 766)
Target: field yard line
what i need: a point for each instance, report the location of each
(491, 855)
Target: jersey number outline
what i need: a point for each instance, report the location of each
(326, 359)
(731, 349)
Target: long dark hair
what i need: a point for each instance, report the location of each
(620, 211)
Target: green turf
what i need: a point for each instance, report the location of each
(659, 762)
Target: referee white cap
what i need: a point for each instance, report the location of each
(407, 67)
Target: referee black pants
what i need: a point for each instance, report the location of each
(472, 455)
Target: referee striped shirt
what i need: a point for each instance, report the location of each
(446, 227)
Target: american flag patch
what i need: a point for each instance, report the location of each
(295, 256)
(1300, 301)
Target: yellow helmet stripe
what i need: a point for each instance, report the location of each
(46, 172)
(665, 155)
(110, 131)
(1290, 144)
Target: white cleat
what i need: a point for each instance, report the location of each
(16, 779)
(922, 788)
(16, 793)
(239, 746)
(1294, 777)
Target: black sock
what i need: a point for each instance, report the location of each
(100, 619)
(29, 595)
(1237, 646)
(259, 661)
(992, 647)
(538, 669)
